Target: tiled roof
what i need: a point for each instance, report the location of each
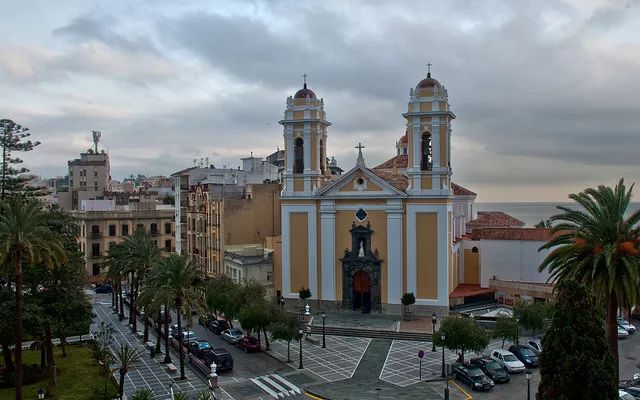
(461, 191)
(399, 181)
(490, 219)
(401, 161)
(468, 289)
(538, 234)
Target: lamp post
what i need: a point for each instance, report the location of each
(444, 375)
(434, 319)
(300, 332)
(41, 392)
(517, 331)
(528, 375)
(324, 315)
(282, 304)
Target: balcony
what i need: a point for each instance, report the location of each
(96, 254)
(155, 233)
(95, 235)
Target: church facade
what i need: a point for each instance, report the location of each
(360, 240)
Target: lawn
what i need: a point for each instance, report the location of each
(78, 377)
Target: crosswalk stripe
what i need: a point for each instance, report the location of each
(264, 387)
(281, 390)
(287, 383)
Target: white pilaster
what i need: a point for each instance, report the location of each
(394, 251)
(328, 230)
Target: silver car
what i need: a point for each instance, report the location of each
(232, 336)
(626, 325)
(535, 344)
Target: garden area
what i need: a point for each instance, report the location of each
(79, 377)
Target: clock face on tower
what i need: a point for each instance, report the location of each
(361, 215)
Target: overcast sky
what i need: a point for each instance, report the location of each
(546, 93)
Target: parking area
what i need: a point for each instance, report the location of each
(336, 362)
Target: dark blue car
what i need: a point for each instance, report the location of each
(106, 288)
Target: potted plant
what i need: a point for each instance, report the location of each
(407, 300)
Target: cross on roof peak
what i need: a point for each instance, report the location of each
(304, 77)
(360, 161)
(429, 69)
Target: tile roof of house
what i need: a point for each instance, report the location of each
(461, 191)
(402, 161)
(488, 219)
(536, 234)
(398, 180)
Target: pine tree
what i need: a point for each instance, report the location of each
(576, 362)
(13, 177)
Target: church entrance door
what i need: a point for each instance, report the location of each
(361, 291)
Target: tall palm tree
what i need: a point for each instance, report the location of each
(116, 260)
(598, 246)
(125, 358)
(143, 254)
(25, 239)
(155, 296)
(178, 281)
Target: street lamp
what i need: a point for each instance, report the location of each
(324, 315)
(434, 319)
(300, 332)
(282, 304)
(444, 375)
(41, 392)
(528, 375)
(517, 331)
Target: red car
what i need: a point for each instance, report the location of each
(249, 344)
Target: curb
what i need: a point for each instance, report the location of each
(314, 396)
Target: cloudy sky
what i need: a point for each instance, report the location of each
(546, 93)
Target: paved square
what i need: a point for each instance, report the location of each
(338, 361)
(402, 367)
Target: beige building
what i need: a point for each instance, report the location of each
(103, 223)
(244, 263)
(222, 215)
(89, 178)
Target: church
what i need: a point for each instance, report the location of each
(360, 240)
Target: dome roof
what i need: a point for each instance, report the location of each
(428, 82)
(304, 93)
(404, 138)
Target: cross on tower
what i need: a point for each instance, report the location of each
(360, 146)
(304, 76)
(360, 160)
(429, 68)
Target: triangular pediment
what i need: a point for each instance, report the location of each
(358, 183)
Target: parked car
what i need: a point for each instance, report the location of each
(189, 337)
(508, 361)
(632, 390)
(626, 325)
(472, 376)
(623, 395)
(106, 288)
(218, 325)
(222, 358)
(535, 344)
(249, 344)
(232, 335)
(174, 330)
(492, 369)
(199, 347)
(622, 333)
(525, 354)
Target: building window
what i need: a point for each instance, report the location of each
(112, 230)
(154, 229)
(322, 157)
(95, 250)
(95, 231)
(125, 230)
(167, 245)
(167, 228)
(298, 155)
(474, 250)
(425, 152)
(268, 276)
(95, 269)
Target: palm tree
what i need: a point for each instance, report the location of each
(143, 254)
(143, 394)
(25, 239)
(598, 246)
(155, 297)
(116, 260)
(125, 358)
(177, 280)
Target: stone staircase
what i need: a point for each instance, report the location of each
(371, 333)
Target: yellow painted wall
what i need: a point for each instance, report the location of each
(298, 185)
(471, 267)
(427, 255)
(360, 202)
(252, 220)
(426, 182)
(350, 185)
(425, 106)
(299, 251)
(443, 106)
(378, 220)
(298, 115)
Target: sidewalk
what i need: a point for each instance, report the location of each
(149, 373)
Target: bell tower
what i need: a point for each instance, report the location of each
(305, 143)
(429, 138)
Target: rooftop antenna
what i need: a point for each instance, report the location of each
(96, 138)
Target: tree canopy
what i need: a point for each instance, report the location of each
(461, 334)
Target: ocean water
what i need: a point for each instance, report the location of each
(532, 213)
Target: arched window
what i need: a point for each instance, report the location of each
(322, 158)
(298, 155)
(425, 152)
